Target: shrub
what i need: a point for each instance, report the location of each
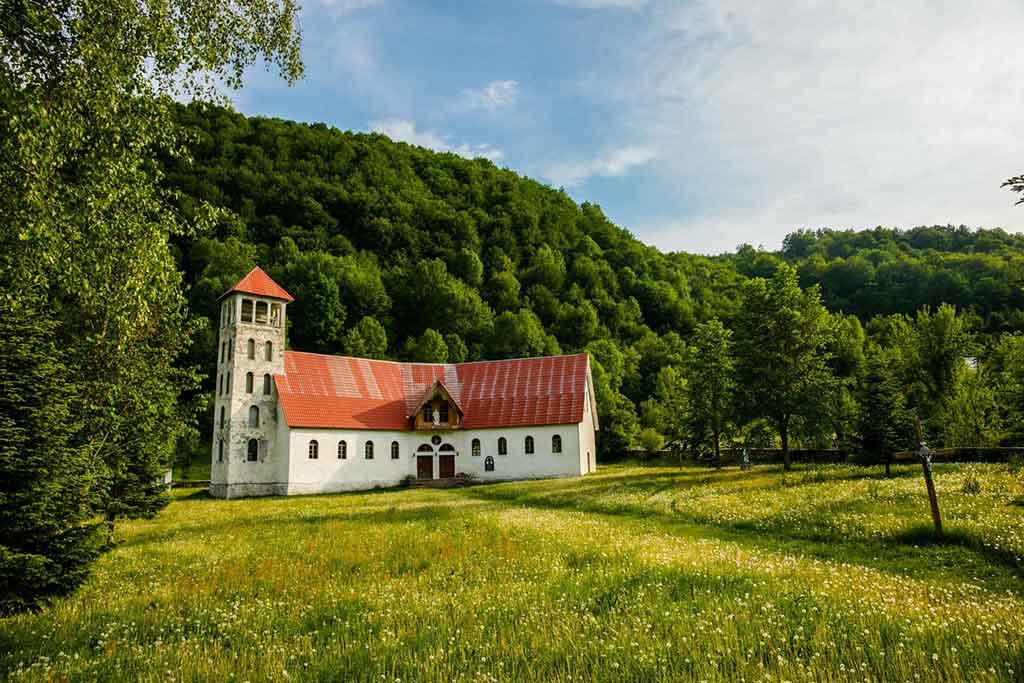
(971, 485)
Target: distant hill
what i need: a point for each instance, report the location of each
(396, 251)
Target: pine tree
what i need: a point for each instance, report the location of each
(885, 423)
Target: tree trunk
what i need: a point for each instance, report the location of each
(784, 435)
(718, 450)
(888, 471)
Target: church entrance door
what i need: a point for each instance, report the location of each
(425, 466)
(446, 466)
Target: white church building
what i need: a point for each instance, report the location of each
(288, 422)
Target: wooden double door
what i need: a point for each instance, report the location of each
(446, 465)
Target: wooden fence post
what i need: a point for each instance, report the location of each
(925, 454)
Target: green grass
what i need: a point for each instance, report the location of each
(634, 574)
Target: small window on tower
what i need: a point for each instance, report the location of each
(231, 348)
(250, 349)
(268, 349)
(267, 385)
(223, 350)
(220, 384)
(261, 312)
(222, 416)
(246, 310)
(252, 451)
(254, 416)
(248, 382)
(220, 450)
(275, 315)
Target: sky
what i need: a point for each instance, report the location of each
(698, 126)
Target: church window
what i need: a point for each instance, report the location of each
(220, 384)
(261, 312)
(368, 450)
(488, 464)
(246, 310)
(502, 446)
(394, 450)
(227, 382)
(443, 410)
(556, 444)
(528, 445)
(223, 351)
(267, 385)
(248, 382)
(222, 416)
(476, 448)
(252, 450)
(231, 348)
(251, 349)
(314, 449)
(254, 416)
(275, 315)
(220, 450)
(269, 350)
(342, 450)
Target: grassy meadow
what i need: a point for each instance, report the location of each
(632, 574)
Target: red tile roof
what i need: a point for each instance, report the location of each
(259, 283)
(356, 393)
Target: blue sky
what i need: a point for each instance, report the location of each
(697, 126)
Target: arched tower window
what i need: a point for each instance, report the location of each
(231, 348)
(246, 310)
(475, 447)
(252, 450)
(261, 312)
(251, 349)
(314, 449)
(342, 450)
(222, 416)
(254, 416)
(227, 381)
(267, 385)
(269, 350)
(502, 446)
(220, 383)
(220, 450)
(275, 315)
(368, 450)
(248, 382)
(556, 444)
(488, 464)
(528, 445)
(394, 450)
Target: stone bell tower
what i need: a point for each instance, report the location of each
(250, 351)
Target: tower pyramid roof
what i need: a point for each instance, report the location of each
(259, 283)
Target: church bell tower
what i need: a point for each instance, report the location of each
(250, 351)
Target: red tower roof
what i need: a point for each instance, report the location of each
(259, 283)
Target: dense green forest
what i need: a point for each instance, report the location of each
(395, 251)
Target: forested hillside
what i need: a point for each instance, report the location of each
(395, 251)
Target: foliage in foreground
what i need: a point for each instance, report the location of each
(637, 574)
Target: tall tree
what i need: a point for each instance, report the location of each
(884, 423)
(711, 383)
(84, 227)
(781, 338)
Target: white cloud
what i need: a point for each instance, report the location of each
(795, 114)
(405, 131)
(612, 164)
(494, 95)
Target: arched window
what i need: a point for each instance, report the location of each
(261, 312)
(368, 450)
(425, 448)
(220, 384)
(248, 382)
(342, 450)
(476, 448)
(488, 464)
(227, 381)
(220, 450)
(443, 413)
(267, 385)
(222, 416)
(556, 444)
(394, 450)
(231, 348)
(251, 349)
(528, 445)
(314, 449)
(223, 350)
(502, 446)
(269, 350)
(254, 416)
(252, 450)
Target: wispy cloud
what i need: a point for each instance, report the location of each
(494, 95)
(405, 131)
(616, 162)
(602, 4)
